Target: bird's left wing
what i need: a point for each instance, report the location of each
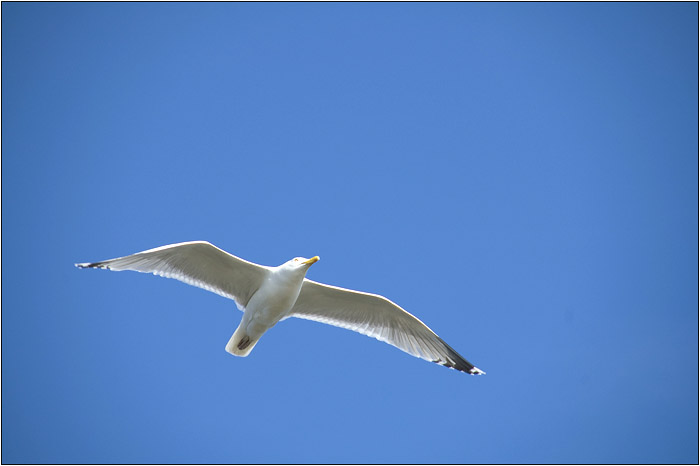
(197, 263)
(375, 316)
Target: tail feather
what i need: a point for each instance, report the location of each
(241, 344)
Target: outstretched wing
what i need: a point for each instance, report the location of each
(376, 316)
(197, 263)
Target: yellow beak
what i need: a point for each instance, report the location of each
(312, 260)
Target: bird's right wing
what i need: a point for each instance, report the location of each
(375, 316)
(197, 263)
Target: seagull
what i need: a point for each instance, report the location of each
(267, 295)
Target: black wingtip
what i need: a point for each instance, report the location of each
(454, 360)
(466, 368)
(92, 265)
(462, 366)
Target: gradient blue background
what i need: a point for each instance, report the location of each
(522, 177)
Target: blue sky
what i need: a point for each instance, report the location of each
(521, 177)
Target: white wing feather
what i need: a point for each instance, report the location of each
(197, 263)
(375, 316)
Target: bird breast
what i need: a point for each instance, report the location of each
(274, 299)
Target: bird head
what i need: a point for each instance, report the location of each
(301, 262)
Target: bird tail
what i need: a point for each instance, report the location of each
(241, 344)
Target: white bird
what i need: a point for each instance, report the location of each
(267, 295)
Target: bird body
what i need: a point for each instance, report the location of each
(271, 303)
(267, 295)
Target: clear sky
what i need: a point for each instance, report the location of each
(521, 177)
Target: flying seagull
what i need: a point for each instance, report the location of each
(267, 295)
